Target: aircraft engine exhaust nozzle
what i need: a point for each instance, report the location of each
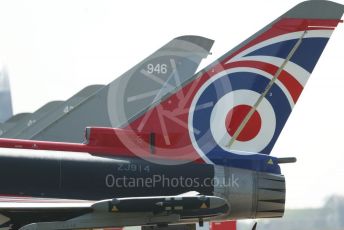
(252, 194)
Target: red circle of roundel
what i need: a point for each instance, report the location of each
(234, 118)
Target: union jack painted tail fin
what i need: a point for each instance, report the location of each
(241, 102)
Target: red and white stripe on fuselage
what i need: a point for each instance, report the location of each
(22, 202)
(100, 141)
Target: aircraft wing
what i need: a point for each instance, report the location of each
(29, 213)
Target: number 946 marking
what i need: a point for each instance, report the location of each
(158, 68)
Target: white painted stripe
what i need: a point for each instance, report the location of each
(269, 76)
(281, 38)
(39, 200)
(299, 73)
(14, 205)
(323, 27)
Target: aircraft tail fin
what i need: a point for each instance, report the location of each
(241, 102)
(5, 96)
(125, 98)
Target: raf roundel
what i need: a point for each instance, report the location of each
(233, 94)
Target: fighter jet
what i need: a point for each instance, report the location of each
(187, 150)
